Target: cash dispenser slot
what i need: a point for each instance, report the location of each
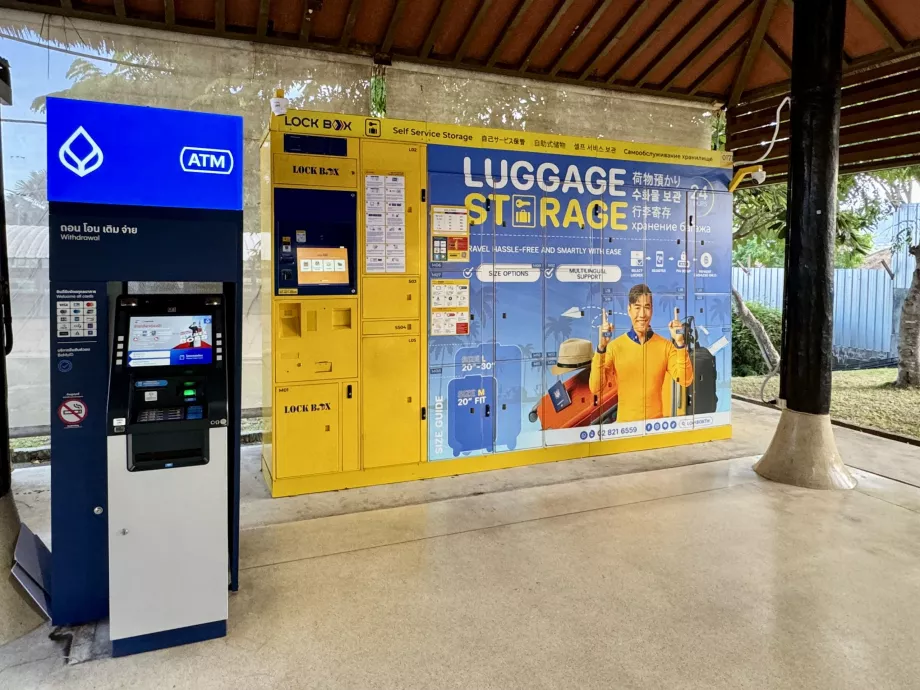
(161, 451)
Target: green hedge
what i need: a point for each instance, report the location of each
(746, 357)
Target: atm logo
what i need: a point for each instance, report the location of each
(210, 161)
(312, 407)
(80, 154)
(317, 123)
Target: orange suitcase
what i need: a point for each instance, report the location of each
(585, 407)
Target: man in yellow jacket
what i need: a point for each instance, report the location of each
(640, 359)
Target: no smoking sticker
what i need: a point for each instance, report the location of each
(72, 412)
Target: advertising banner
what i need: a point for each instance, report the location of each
(574, 298)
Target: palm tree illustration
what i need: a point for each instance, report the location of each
(719, 310)
(557, 329)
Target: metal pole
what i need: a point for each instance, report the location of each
(6, 328)
(803, 451)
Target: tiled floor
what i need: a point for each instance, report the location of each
(699, 576)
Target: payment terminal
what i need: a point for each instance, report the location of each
(167, 466)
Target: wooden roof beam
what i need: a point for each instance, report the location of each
(778, 53)
(220, 16)
(471, 31)
(508, 32)
(262, 24)
(727, 24)
(390, 35)
(614, 37)
(170, 12)
(349, 29)
(435, 28)
(878, 19)
(764, 17)
(699, 19)
(306, 26)
(636, 48)
(120, 9)
(582, 34)
(711, 71)
(545, 33)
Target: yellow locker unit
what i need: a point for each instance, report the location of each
(342, 251)
(409, 267)
(311, 306)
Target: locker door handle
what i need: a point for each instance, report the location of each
(348, 391)
(488, 410)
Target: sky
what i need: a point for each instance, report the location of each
(35, 71)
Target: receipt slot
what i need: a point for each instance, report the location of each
(167, 456)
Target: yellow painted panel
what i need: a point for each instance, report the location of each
(391, 327)
(336, 125)
(494, 461)
(391, 297)
(351, 459)
(392, 400)
(315, 171)
(388, 158)
(315, 339)
(307, 423)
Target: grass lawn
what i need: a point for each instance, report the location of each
(861, 397)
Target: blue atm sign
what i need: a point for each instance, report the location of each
(213, 161)
(105, 153)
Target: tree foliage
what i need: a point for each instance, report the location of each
(759, 228)
(747, 359)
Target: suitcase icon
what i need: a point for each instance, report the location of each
(470, 423)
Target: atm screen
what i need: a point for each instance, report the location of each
(159, 341)
(322, 266)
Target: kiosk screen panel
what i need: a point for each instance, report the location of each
(159, 341)
(322, 266)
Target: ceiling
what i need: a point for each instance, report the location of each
(734, 52)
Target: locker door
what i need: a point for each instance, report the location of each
(391, 400)
(573, 283)
(402, 161)
(308, 430)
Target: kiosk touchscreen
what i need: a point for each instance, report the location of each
(167, 466)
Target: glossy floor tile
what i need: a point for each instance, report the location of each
(695, 577)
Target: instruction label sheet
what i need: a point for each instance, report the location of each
(385, 223)
(450, 307)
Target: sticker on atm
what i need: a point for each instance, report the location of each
(322, 266)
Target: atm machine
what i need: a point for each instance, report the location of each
(146, 368)
(167, 460)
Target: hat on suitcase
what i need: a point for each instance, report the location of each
(574, 354)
